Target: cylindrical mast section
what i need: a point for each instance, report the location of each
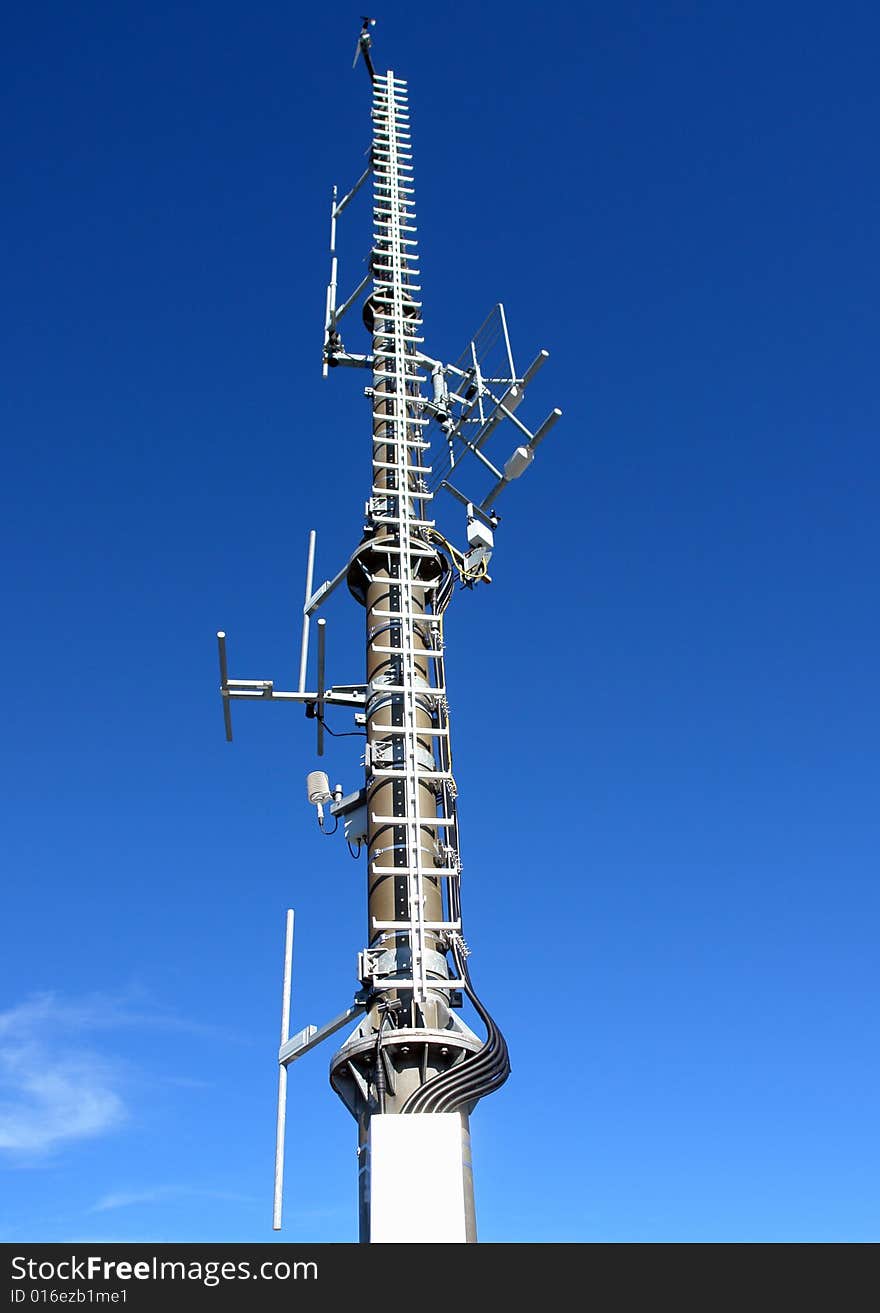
(408, 1035)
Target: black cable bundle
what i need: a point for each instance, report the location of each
(478, 1075)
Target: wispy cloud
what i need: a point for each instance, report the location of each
(160, 1193)
(51, 1092)
(101, 1012)
(54, 1087)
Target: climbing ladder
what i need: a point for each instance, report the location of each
(397, 513)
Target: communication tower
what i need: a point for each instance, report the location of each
(411, 1071)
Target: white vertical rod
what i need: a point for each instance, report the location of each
(332, 306)
(507, 342)
(333, 276)
(282, 1074)
(330, 312)
(304, 649)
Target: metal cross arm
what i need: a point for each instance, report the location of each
(336, 358)
(346, 695)
(311, 1036)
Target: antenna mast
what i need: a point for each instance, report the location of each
(410, 1052)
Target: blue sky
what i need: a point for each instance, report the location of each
(665, 706)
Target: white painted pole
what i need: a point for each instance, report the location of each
(282, 1074)
(304, 647)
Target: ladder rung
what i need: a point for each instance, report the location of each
(418, 420)
(402, 615)
(425, 869)
(393, 336)
(441, 872)
(418, 443)
(391, 730)
(383, 550)
(403, 772)
(410, 820)
(409, 469)
(401, 651)
(395, 519)
(382, 298)
(409, 396)
(391, 521)
(408, 925)
(384, 367)
(407, 287)
(407, 376)
(399, 688)
(380, 417)
(410, 320)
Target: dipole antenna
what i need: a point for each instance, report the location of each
(410, 1052)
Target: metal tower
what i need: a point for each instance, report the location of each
(410, 1052)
